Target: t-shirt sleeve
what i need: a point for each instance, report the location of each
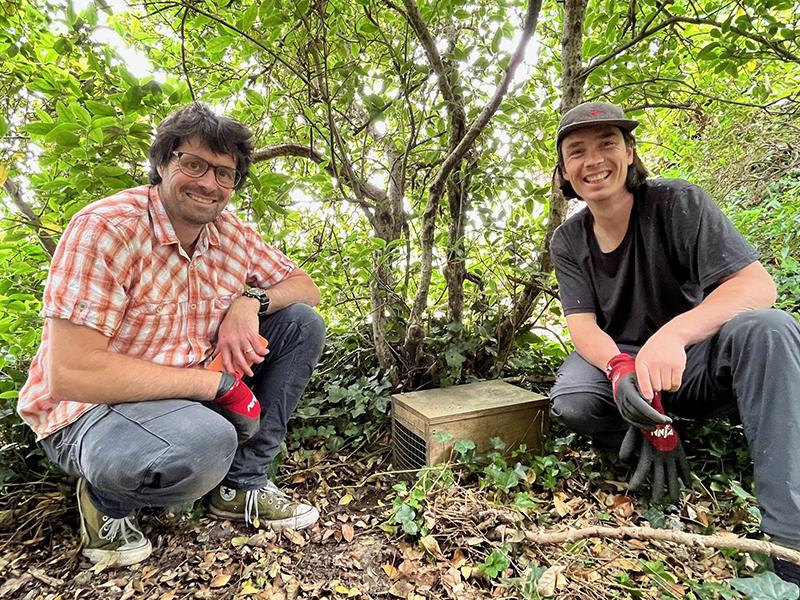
(85, 284)
(709, 246)
(574, 284)
(268, 265)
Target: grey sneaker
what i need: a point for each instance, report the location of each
(268, 506)
(120, 542)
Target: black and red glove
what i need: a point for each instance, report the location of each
(662, 453)
(633, 407)
(237, 403)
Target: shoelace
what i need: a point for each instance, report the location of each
(112, 528)
(251, 501)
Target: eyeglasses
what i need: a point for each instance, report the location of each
(195, 166)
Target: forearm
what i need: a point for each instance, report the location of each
(591, 342)
(297, 288)
(749, 289)
(103, 377)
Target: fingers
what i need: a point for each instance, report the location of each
(683, 465)
(672, 480)
(643, 467)
(645, 381)
(628, 443)
(658, 478)
(638, 411)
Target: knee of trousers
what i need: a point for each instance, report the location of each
(188, 463)
(576, 410)
(309, 322)
(762, 325)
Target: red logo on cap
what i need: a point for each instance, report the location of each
(595, 113)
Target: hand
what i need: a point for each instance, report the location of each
(237, 403)
(660, 364)
(633, 407)
(238, 344)
(662, 453)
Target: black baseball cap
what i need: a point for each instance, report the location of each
(593, 113)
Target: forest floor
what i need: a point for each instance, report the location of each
(473, 544)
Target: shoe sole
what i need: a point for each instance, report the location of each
(296, 522)
(123, 559)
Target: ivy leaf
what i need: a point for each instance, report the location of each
(766, 587)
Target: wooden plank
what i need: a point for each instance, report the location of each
(473, 399)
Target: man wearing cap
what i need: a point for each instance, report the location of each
(669, 311)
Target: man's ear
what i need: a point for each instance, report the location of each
(629, 153)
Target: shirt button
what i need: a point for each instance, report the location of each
(193, 306)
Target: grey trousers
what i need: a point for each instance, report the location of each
(164, 452)
(751, 366)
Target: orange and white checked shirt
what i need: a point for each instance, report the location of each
(119, 269)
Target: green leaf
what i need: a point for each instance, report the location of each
(464, 446)
(766, 587)
(3, 126)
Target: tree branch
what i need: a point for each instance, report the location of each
(477, 126)
(645, 33)
(302, 151)
(35, 222)
(665, 535)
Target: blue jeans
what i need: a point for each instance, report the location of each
(164, 452)
(751, 366)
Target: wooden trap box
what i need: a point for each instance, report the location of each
(475, 411)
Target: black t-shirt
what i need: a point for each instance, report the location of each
(677, 248)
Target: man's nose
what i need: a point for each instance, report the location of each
(593, 157)
(208, 180)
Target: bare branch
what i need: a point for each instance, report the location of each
(665, 535)
(477, 126)
(302, 151)
(776, 48)
(428, 43)
(35, 222)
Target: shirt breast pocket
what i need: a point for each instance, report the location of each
(150, 330)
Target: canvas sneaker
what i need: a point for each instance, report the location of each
(120, 542)
(268, 506)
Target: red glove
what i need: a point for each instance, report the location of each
(633, 407)
(663, 438)
(237, 403)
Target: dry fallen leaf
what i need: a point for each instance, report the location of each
(550, 581)
(294, 536)
(431, 546)
(391, 571)
(401, 589)
(220, 580)
(345, 500)
(347, 532)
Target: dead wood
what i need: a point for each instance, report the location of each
(665, 535)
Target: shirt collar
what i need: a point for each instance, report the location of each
(164, 231)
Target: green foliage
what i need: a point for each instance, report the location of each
(767, 586)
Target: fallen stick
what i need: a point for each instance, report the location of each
(665, 535)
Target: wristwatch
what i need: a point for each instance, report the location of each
(261, 296)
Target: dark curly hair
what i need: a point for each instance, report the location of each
(637, 172)
(221, 134)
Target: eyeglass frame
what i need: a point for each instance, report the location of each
(237, 174)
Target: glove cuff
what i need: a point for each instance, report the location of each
(226, 382)
(621, 361)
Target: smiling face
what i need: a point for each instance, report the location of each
(191, 202)
(595, 162)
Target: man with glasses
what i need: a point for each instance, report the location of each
(145, 288)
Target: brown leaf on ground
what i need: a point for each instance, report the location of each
(347, 532)
(220, 580)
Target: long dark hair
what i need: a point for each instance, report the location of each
(222, 135)
(637, 172)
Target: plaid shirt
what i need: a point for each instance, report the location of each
(119, 269)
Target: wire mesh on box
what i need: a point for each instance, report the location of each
(408, 449)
